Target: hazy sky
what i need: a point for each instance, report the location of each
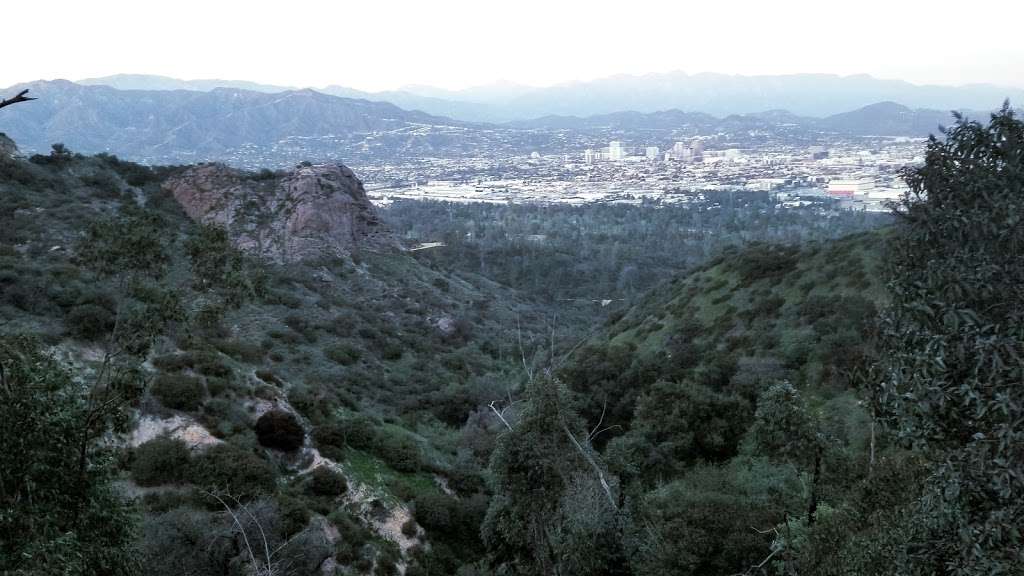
(384, 44)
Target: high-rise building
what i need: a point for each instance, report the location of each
(615, 151)
(652, 152)
(697, 149)
(588, 156)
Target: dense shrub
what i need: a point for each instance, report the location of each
(179, 391)
(174, 362)
(765, 261)
(280, 430)
(89, 322)
(162, 460)
(353, 430)
(234, 469)
(399, 451)
(343, 353)
(326, 482)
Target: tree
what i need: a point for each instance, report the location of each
(949, 382)
(60, 514)
(785, 429)
(217, 265)
(679, 423)
(554, 511)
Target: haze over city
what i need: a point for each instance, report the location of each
(456, 44)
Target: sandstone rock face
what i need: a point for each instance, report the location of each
(309, 212)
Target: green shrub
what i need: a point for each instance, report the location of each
(89, 322)
(174, 362)
(343, 353)
(409, 528)
(280, 430)
(162, 460)
(354, 430)
(211, 365)
(179, 392)
(326, 482)
(399, 451)
(234, 469)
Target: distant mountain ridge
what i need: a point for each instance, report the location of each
(188, 126)
(454, 108)
(719, 94)
(250, 129)
(154, 82)
(879, 119)
(815, 95)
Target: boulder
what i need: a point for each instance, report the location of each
(309, 212)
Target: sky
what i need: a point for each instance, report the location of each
(385, 44)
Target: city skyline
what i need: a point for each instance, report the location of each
(457, 44)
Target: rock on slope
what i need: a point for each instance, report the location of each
(311, 211)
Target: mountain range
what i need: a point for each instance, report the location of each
(185, 126)
(815, 95)
(259, 128)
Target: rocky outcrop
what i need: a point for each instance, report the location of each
(308, 212)
(8, 149)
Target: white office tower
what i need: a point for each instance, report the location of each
(680, 150)
(588, 156)
(652, 152)
(615, 151)
(697, 150)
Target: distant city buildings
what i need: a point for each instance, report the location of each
(615, 151)
(850, 188)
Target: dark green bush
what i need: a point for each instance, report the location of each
(162, 460)
(399, 451)
(179, 391)
(234, 469)
(326, 482)
(174, 362)
(343, 353)
(89, 322)
(280, 430)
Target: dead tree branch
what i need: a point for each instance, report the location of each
(19, 97)
(500, 414)
(593, 464)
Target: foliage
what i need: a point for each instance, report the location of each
(280, 430)
(59, 514)
(127, 244)
(553, 510)
(954, 337)
(159, 461)
(324, 481)
(707, 522)
(234, 469)
(179, 391)
(219, 266)
(679, 424)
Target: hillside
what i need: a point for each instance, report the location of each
(684, 386)
(343, 387)
(749, 316)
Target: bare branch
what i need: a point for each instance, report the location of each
(599, 422)
(499, 415)
(19, 97)
(593, 464)
(245, 538)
